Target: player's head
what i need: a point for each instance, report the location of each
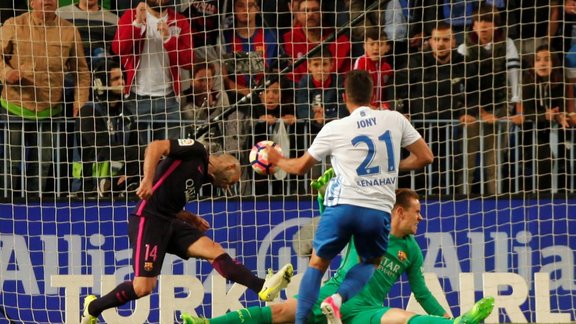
(442, 40)
(358, 88)
(375, 43)
(321, 65)
(224, 169)
(107, 80)
(406, 213)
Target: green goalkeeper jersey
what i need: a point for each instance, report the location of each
(402, 255)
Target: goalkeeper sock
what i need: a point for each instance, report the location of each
(250, 315)
(237, 272)
(122, 294)
(429, 319)
(355, 280)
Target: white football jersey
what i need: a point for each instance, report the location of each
(365, 154)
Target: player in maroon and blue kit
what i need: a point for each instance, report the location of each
(155, 229)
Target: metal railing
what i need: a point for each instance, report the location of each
(446, 136)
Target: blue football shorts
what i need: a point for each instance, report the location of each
(370, 228)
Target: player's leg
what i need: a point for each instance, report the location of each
(332, 235)
(477, 314)
(277, 313)
(371, 232)
(205, 248)
(230, 269)
(148, 239)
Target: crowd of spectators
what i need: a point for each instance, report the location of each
(486, 83)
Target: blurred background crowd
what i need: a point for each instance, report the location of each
(87, 84)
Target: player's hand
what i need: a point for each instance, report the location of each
(194, 220)
(144, 192)
(141, 13)
(273, 155)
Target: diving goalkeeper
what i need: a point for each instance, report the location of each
(402, 255)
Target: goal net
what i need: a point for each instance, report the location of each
(488, 84)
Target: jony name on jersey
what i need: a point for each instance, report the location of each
(362, 123)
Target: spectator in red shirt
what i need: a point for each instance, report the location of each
(154, 42)
(308, 33)
(374, 61)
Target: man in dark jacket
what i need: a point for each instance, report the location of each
(109, 154)
(433, 91)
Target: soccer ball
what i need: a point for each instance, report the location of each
(259, 157)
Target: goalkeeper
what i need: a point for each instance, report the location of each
(402, 255)
(158, 226)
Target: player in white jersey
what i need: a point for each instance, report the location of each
(365, 154)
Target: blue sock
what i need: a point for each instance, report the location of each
(355, 280)
(308, 293)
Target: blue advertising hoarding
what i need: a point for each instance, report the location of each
(45, 249)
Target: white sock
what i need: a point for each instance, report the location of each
(337, 299)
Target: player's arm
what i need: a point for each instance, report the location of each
(154, 152)
(418, 286)
(297, 166)
(420, 156)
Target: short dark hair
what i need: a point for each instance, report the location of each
(375, 33)
(323, 52)
(358, 87)
(441, 25)
(102, 67)
(404, 197)
(199, 66)
(487, 13)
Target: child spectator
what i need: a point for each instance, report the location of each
(544, 92)
(374, 61)
(205, 103)
(274, 120)
(319, 94)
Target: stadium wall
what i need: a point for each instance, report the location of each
(52, 255)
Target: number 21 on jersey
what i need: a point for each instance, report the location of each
(367, 167)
